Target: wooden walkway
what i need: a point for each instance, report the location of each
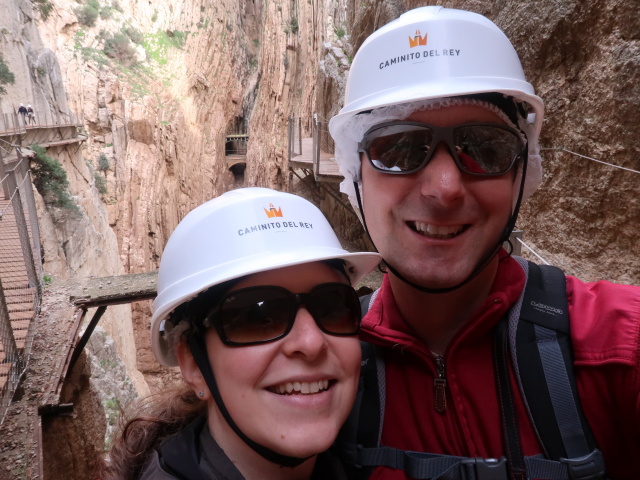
(327, 170)
(20, 296)
(20, 288)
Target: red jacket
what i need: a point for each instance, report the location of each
(605, 325)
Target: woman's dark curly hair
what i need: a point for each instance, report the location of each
(146, 423)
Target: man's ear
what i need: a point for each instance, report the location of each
(191, 372)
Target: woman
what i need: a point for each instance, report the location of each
(255, 305)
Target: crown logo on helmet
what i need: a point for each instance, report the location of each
(417, 40)
(273, 212)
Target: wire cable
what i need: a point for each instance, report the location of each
(562, 149)
(532, 251)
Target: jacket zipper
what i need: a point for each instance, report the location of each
(440, 386)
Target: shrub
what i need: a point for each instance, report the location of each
(176, 38)
(106, 13)
(6, 76)
(340, 32)
(101, 183)
(50, 179)
(119, 48)
(87, 15)
(103, 163)
(134, 34)
(291, 26)
(45, 7)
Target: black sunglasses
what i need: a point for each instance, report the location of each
(254, 315)
(403, 147)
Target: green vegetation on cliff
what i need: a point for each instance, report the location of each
(50, 179)
(6, 76)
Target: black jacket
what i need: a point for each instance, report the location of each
(193, 454)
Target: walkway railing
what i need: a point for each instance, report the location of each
(236, 144)
(235, 151)
(313, 154)
(295, 136)
(322, 142)
(18, 123)
(20, 272)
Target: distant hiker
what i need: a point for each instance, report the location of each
(23, 113)
(31, 116)
(263, 323)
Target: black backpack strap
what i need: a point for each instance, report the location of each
(421, 465)
(508, 413)
(373, 380)
(363, 427)
(543, 362)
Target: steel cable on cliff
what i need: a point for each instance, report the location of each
(532, 250)
(562, 149)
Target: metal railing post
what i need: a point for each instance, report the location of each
(316, 148)
(290, 140)
(300, 134)
(5, 189)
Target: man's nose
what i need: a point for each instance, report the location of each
(441, 178)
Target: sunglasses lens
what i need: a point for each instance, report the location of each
(335, 308)
(486, 149)
(255, 315)
(261, 314)
(481, 149)
(398, 148)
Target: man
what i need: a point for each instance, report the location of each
(23, 113)
(438, 144)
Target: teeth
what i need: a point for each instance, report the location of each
(439, 232)
(301, 388)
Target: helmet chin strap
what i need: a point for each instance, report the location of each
(484, 261)
(199, 352)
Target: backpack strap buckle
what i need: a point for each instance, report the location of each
(587, 467)
(484, 468)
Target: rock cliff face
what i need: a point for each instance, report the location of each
(159, 85)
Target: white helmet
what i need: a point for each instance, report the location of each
(243, 231)
(428, 55)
